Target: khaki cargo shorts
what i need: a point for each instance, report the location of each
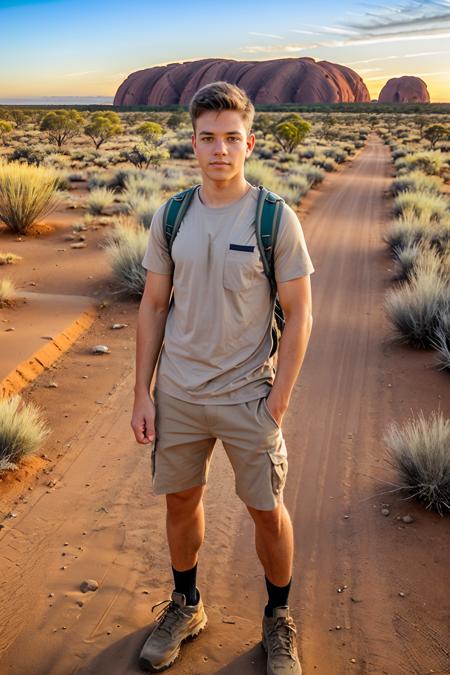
(185, 437)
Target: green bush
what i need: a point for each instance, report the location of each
(27, 194)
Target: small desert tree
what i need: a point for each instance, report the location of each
(290, 131)
(5, 129)
(103, 125)
(61, 125)
(151, 151)
(434, 133)
(151, 132)
(327, 126)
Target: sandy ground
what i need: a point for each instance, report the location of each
(89, 513)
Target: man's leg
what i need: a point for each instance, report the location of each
(185, 526)
(274, 541)
(184, 617)
(185, 533)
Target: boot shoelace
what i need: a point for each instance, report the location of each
(281, 636)
(168, 615)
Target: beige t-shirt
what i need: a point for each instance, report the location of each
(218, 332)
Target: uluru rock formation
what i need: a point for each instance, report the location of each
(277, 81)
(405, 89)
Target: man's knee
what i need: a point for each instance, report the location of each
(184, 502)
(269, 520)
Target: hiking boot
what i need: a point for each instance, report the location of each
(279, 641)
(176, 623)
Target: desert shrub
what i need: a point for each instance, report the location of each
(76, 177)
(126, 245)
(297, 182)
(27, 194)
(174, 180)
(313, 174)
(337, 154)
(325, 162)
(98, 180)
(427, 162)
(420, 452)
(117, 182)
(99, 199)
(441, 341)
(416, 181)
(308, 152)
(258, 173)
(9, 258)
(22, 431)
(415, 308)
(143, 207)
(405, 231)
(7, 292)
(27, 155)
(143, 183)
(421, 205)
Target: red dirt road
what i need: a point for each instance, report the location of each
(353, 383)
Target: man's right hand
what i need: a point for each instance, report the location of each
(143, 419)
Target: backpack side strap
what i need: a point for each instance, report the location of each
(174, 212)
(269, 209)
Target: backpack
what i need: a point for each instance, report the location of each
(269, 209)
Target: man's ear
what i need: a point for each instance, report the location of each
(250, 144)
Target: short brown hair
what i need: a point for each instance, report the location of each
(220, 96)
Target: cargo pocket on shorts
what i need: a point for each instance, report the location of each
(153, 459)
(279, 467)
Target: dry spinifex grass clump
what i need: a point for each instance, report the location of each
(27, 194)
(416, 308)
(420, 451)
(21, 431)
(126, 245)
(8, 293)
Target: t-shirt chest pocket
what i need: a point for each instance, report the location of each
(240, 268)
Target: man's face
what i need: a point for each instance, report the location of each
(221, 144)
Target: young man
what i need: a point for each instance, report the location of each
(215, 378)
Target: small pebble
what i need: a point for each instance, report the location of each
(88, 585)
(100, 349)
(385, 512)
(408, 518)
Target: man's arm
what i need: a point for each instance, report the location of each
(295, 300)
(151, 324)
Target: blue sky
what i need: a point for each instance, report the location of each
(66, 48)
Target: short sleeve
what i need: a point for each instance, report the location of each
(157, 258)
(292, 259)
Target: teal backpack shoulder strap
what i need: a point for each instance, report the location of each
(174, 212)
(269, 209)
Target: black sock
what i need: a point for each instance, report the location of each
(185, 583)
(278, 596)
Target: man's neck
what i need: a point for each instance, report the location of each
(216, 195)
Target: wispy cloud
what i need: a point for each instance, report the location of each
(269, 35)
(390, 76)
(408, 20)
(395, 57)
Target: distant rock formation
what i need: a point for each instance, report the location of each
(405, 89)
(300, 80)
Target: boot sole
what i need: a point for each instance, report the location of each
(147, 666)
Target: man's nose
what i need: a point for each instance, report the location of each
(219, 147)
